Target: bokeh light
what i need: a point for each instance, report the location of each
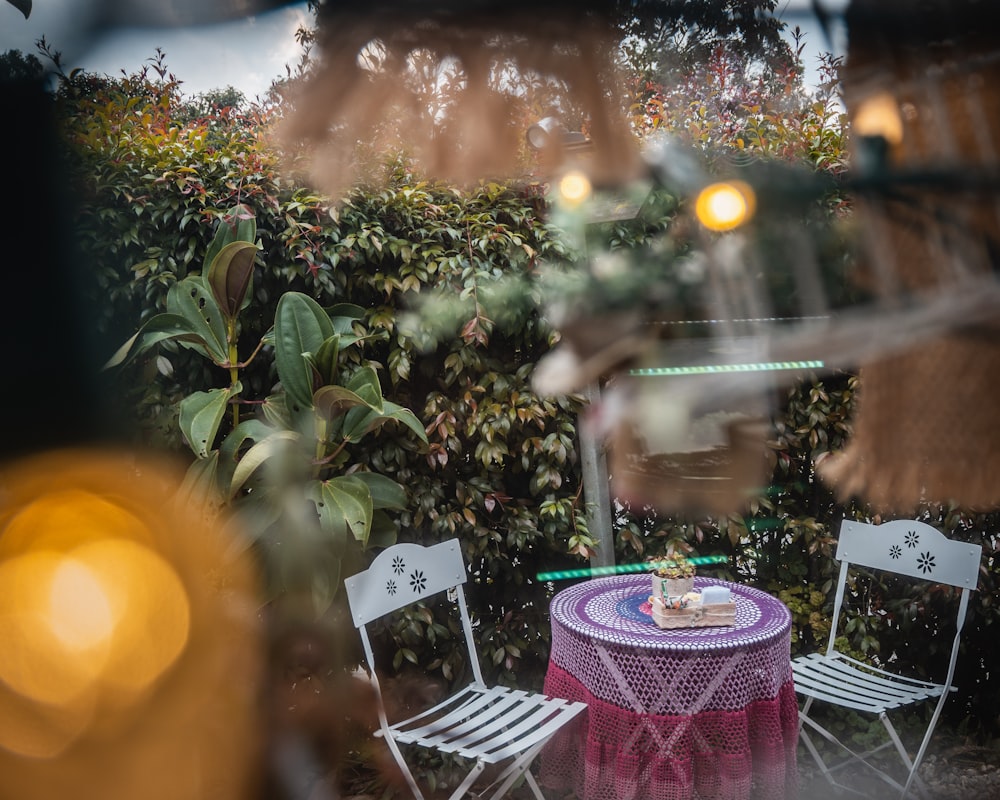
(725, 205)
(878, 115)
(131, 661)
(574, 188)
(84, 606)
(79, 608)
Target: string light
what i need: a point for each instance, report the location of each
(574, 188)
(711, 369)
(878, 115)
(621, 569)
(726, 205)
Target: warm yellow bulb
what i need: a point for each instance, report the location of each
(724, 206)
(574, 187)
(128, 626)
(36, 662)
(79, 609)
(878, 115)
(149, 606)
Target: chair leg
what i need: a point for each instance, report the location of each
(808, 742)
(404, 768)
(804, 712)
(825, 769)
(855, 756)
(516, 768)
(470, 779)
(911, 765)
(536, 790)
(913, 777)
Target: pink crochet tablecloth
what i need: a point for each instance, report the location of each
(680, 714)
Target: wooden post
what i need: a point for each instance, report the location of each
(595, 487)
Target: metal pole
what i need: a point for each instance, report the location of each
(595, 487)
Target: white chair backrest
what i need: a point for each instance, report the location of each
(403, 574)
(911, 548)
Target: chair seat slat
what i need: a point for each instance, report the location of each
(525, 733)
(894, 677)
(832, 693)
(849, 681)
(467, 719)
(499, 719)
(564, 714)
(461, 698)
(503, 728)
(862, 704)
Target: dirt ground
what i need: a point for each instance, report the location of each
(954, 769)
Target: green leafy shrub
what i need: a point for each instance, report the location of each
(500, 467)
(286, 471)
(449, 286)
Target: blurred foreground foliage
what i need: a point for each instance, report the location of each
(501, 466)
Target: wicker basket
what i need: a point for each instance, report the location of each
(695, 615)
(671, 587)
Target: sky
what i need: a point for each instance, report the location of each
(248, 53)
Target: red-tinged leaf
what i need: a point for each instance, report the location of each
(229, 276)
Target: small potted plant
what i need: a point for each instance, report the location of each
(673, 575)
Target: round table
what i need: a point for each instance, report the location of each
(678, 714)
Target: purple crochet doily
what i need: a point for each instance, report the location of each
(601, 635)
(614, 609)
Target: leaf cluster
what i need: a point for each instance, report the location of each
(452, 290)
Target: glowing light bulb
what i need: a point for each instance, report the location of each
(116, 631)
(724, 206)
(79, 609)
(879, 115)
(574, 187)
(36, 661)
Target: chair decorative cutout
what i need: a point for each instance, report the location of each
(489, 725)
(907, 548)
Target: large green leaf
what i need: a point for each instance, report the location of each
(250, 430)
(239, 225)
(258, 455)
(383, 530)
(200, 485)
(331, 402)
(192, 299)
(256, 516)
(365, 384)
(300, 327)
(385, 492)
(343, 316)
(230, 274)
(344, 507)
(324, 361)
(360, 422)
(200, 416)
(158, 329)
(325, 569)
(275, 411)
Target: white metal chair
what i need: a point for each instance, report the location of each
(903, 547)
(489, 725)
